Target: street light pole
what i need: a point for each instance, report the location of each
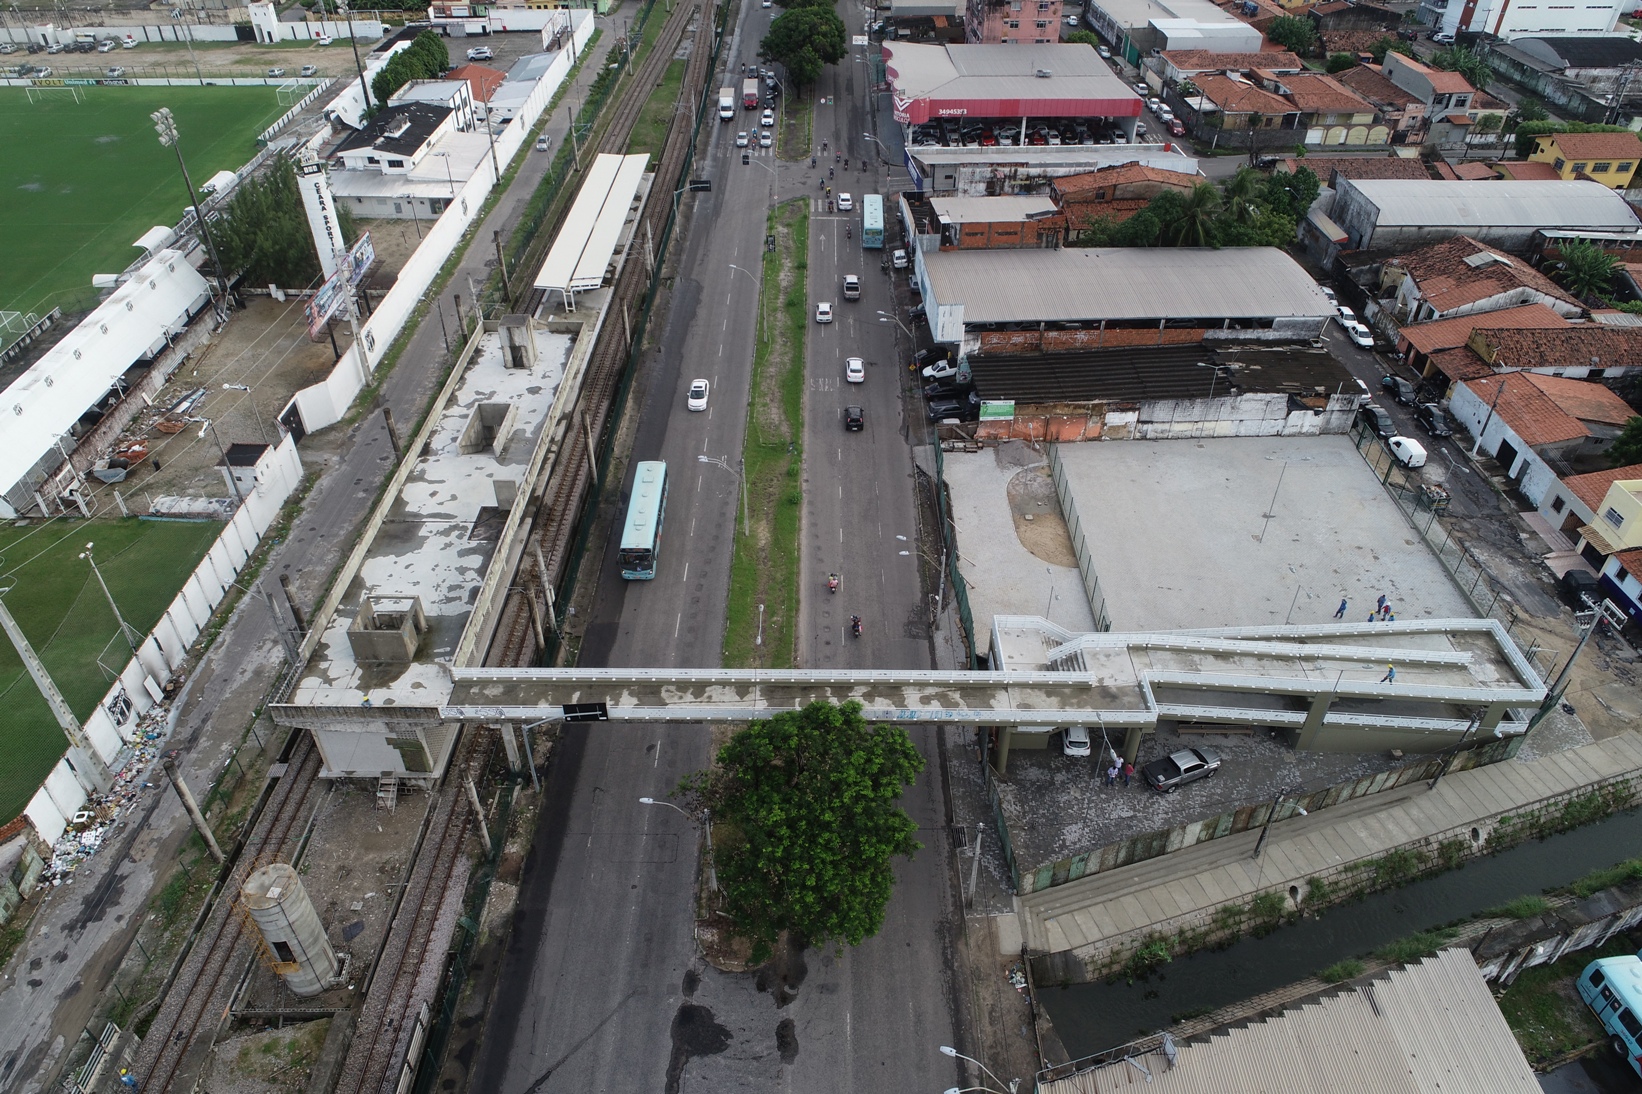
(364, 89)
(707, 827)
(166, 126)
(948, 1050)
(127, 631)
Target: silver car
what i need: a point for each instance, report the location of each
(1179, 768)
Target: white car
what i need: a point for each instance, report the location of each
(765, 139)
(480, 53)
(1347, 316)
(324, 40)
(845, 203)
(1408, 451)
(855, 370)
(741, 139)
(1154, 104)
(823, 312)
(941, 369)
(898, 259)
(1360, 334)
(276, 72)
(767, 119)
(1328, 292)
(697, 399)
(1075, 741)
(1105, 54)
(1071, 20)
(1165, 115)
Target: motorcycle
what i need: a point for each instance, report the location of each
(829, 172)
(829, 205)
(832, 583)
(855, 625)
(849, 232)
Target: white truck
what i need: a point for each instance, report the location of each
(726, 104)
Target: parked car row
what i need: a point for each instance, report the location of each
(1165, 774)
(1008, 132)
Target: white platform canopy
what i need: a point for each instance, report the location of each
(581, 254)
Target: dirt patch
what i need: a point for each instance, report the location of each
(1036, 513)
(267, 1063)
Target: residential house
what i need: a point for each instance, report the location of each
(457, 94)
(1611, 541)
(1115, 193)
(1535, 425)
(958, 222)
(1331, 113)
(1576, 500)
(1400, 109)
(1422, 343)
(992, 22)
(397, 138)
(1608, 158)
(1443, 93)
(1461, 276)
(1229, 102)
(1184, 64)
(1329, 168)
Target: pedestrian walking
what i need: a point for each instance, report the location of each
(1372, 616)
(1379, 605)
(1390, 676)
(1340, 612)
(1128, 772)
(1112, 773)
(1385, 610)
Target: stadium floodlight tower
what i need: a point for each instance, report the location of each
(166, 126)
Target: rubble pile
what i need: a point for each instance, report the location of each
(94, 826)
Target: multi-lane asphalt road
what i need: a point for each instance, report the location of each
(602, 985)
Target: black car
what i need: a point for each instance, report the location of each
(1378, 420)
(1179, 768)
(946, 389)
(1433, 420)
(961, 409)
(854, 419)
(1399, 389)
(1580, 590)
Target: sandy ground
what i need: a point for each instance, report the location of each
(270, 1062)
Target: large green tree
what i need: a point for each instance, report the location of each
(1381, 46)
(806, 823)
(1467, 62)
(805, 40)
(1293, 32)
(1627, 447)
(425, 59)
(1585, 269)
(1189, 221)
(263, 233)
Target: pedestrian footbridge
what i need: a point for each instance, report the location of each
(1321, 685)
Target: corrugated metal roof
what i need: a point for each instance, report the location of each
(1430, 1028)
(592, 228)
(994, 210)
(1505, 203)
(973, 79)
(1079, 284)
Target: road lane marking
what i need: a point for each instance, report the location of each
(692, 527)
(676, 624)
(687, 571)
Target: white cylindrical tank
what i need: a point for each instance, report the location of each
(280, 907)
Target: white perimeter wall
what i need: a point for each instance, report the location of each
(326, 402)
(144, 677)
(366, 29)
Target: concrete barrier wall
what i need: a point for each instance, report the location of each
(175, 31)
(325, 403)
(140, 684)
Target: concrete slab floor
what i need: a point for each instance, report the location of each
(1180, 536)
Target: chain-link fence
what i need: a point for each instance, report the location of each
(949, 549)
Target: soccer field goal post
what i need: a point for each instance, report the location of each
(39, 93)
(290, 91)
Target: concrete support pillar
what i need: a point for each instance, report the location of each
(1489, 725)
(1314, 722)
(1000, 761)
(510, 745)
(1131, 743)
(192, 809)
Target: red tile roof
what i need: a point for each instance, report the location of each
(482, 80)
(1359, 167)
(1592, 488)
(1119, 175)
(1316, 93)
(1631, 560)
(1443, 334)
(1586, 400)
(1473, 171)
(1529, 172)
(1207, 60)
(1444, 83)
(1460, 364)
(1532, 414)
(1369, 82)
(1597, 146)
(1237, 97)
(1577, 345)
(1448, 281)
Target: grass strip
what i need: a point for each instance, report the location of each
(762, 624)
(797, 132)
(656, 119)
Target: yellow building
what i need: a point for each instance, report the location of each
(1608, 158)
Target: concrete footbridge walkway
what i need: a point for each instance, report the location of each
(1418, 686)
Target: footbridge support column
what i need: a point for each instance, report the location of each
(1000, 755)
(1131, 743)
(1314, 721)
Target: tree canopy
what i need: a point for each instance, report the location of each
(1251, 210)
(425, 59)
(1467, 62)
(1293, 32)
(263, 232)
(1585, 269)
(1627, 447)
(1339, 62)
(804, 40)
(805, 823)
(1083, 38)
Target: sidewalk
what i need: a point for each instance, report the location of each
(53, 986)
(1096, 916)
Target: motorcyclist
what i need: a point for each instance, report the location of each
(829, 172)
(832, 583)
(849, 231)
(855, 625)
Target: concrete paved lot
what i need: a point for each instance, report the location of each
(1180, 536)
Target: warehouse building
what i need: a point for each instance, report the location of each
(1399, 214)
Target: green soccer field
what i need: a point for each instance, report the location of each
(67, 619)
(84, 180)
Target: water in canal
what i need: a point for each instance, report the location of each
(1090, 1018)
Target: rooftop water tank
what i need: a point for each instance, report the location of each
(280, 907)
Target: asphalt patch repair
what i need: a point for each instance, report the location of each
(695, 1033)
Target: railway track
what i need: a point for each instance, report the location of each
(412, 962)
(569, 481)
(199, 996)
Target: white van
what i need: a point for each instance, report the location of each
(1409, 452)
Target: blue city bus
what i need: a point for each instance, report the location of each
(1612, 988)
(872, 221)
(641, 536)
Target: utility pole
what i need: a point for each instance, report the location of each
(84, 755)
(192, 808)
(166, 126)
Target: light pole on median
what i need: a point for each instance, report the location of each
(724, 462)
(886, 317)
(706, 820)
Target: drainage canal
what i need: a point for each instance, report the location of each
(1091, 1018)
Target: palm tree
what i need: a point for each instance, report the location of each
(1241, 191)
(1197, 213)
(1585, 269)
